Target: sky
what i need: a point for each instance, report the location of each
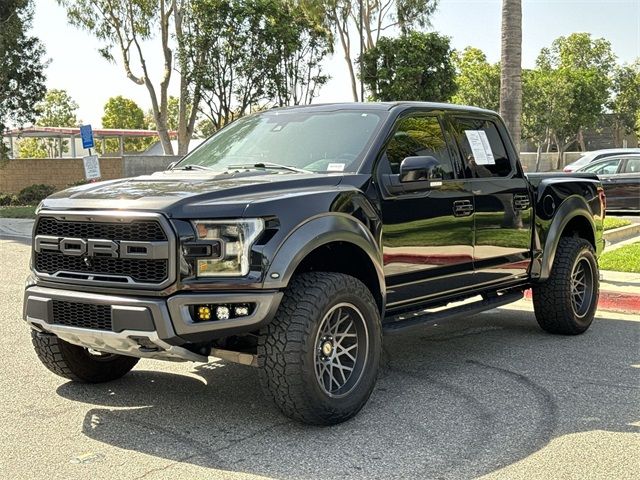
(76, 66)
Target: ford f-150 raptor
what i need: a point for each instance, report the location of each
(292, 239)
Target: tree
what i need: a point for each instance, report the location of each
(545, 108)
(346, 20)
(21, 65)
(121, 112)
(626, 101)
(253, 59)
(580, 66)
(128, 26)
(57, 109)
(416, 66)
(31, 148)
(478, 81)
(511, 68)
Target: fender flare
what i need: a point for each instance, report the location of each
(316, 232)
(571, 208)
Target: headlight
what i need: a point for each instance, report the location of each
(232, 240)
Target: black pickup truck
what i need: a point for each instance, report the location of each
(292, 239)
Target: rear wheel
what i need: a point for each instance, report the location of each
(77, 363)
(566, 303)
(319, 357)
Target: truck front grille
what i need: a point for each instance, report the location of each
(82, 315)
(141, 271)
(148, 232)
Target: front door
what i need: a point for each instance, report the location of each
(427, 225)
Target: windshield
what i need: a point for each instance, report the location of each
(314, 141)
(583, 160)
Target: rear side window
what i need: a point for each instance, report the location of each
(633, 166)
(417, 136)
(483, 151)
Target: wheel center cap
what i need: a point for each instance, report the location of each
(327, 348)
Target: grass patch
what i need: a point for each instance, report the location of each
(623, 259)
(23, 211)
(612, 222)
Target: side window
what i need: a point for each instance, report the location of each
(604, 168)
(417, 136)
(483, 151)
(633, 165)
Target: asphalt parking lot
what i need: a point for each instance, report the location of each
(491, 395)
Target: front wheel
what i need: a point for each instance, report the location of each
(77, 363)
(566, 303)
(319, 356)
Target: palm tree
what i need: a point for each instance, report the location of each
(511, 68)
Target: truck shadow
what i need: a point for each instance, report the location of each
(452, 401)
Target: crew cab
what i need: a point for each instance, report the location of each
(293, 239)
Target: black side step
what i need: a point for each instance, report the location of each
(427, 318)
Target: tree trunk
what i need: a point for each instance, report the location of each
(538, 156)
(511, 68)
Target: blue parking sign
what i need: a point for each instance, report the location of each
(86, 133)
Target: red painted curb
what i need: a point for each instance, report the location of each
(613, 301)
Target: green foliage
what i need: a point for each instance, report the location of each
(416, 66)
(121, 112)
(249, 56)
(614, 222)
(626, 102)
(18, 211)
(623, 259)
(31, 148)
(580, 67)
(478, 81)
(21, 65)
(7, 199)
(34, 194)
(57, 109)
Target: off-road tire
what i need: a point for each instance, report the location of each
(78, 364)
(287, 348)
(552, 300)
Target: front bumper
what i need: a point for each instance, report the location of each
(147, 327)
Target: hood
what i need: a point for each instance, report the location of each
(180, 193)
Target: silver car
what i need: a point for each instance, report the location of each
(589, 157)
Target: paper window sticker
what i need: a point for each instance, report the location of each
(477, 148)
(335, 167)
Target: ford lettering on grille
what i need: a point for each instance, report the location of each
(80, 247)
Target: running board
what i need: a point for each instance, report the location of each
(409, 320)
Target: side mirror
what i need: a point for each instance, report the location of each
(415, 169)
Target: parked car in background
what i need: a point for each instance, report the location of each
(620, 177)
(590, 157)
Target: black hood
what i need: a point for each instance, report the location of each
(182, 193)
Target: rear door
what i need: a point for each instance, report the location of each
(627, 184)
(607, 170)
(502, 198)
(427, 225)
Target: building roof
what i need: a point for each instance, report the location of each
(75, 131)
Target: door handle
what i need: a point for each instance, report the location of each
(462, 208)
(521, 202)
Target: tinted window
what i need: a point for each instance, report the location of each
(604, 168)
(417, 136)
(633, 166)
(481, 160)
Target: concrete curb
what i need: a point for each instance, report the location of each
(622, 233)
(613, 301)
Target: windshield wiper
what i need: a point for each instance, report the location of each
(274, 166)
(191, 167)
